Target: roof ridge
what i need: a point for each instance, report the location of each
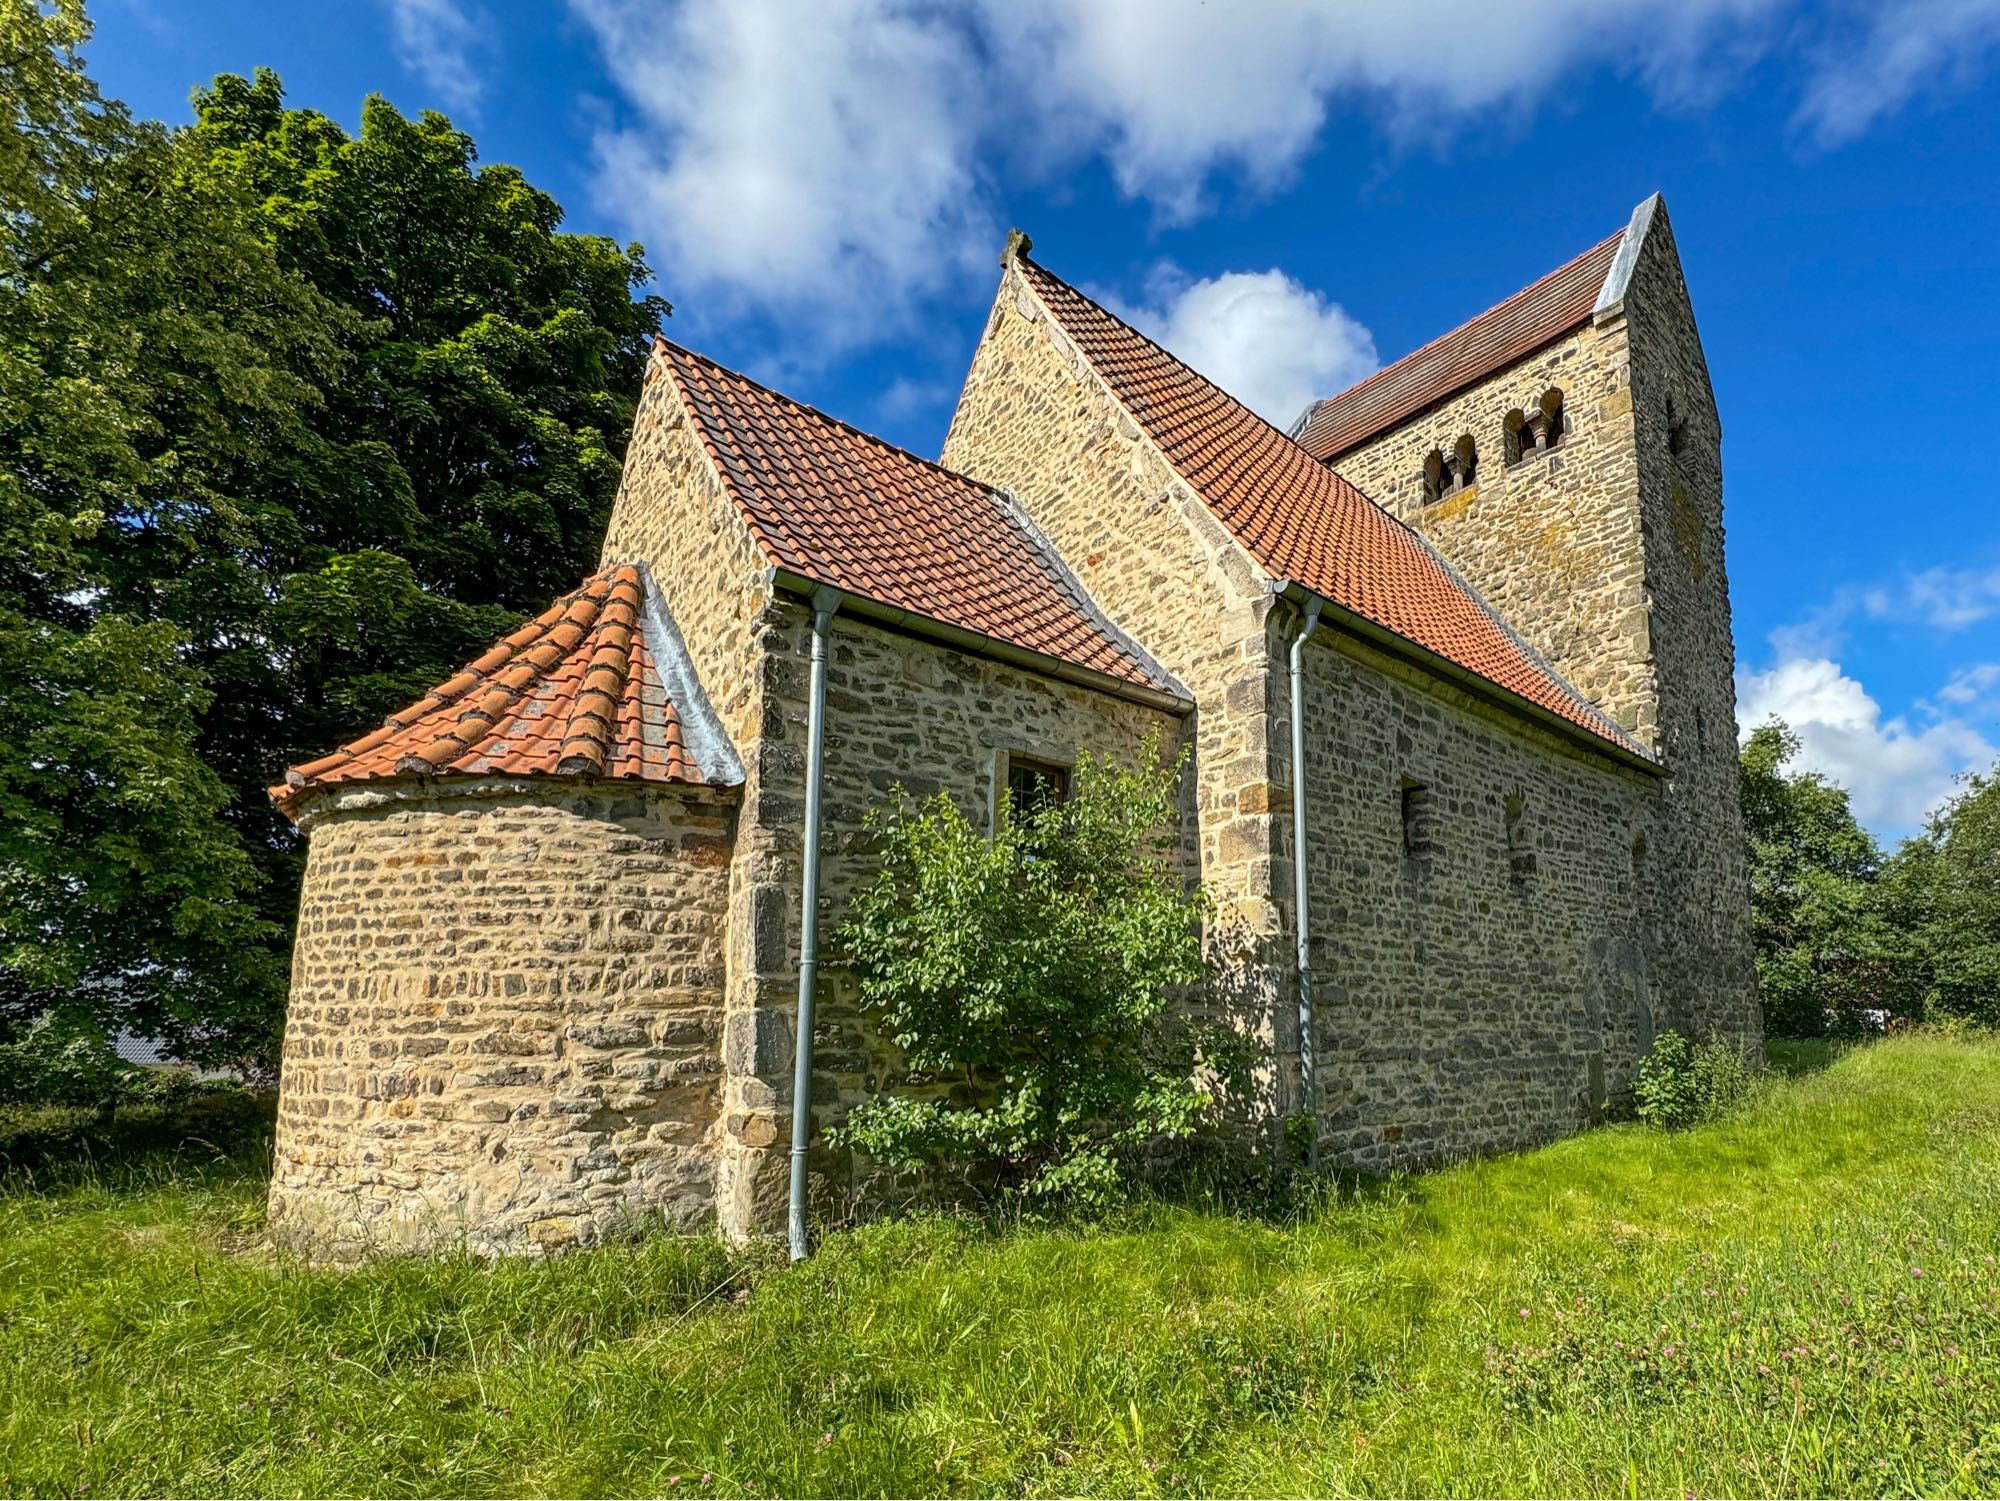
(1140, 333)
(822, 414)
(1451, 333)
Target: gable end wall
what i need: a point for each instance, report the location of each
(1551, 543)
(1036, 420)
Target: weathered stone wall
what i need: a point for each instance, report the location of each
(1035, 419)
(505, 1017)
(1706, 968)
(1607, 554)
(673, 515)
(1552, 542)
(1485, 989)
(899, 711)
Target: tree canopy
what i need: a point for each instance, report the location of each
(1814, 914)
(292, 422)
(1942, 899)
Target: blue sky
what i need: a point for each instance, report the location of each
(1288, 193)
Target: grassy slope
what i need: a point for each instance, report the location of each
(1799, 1300)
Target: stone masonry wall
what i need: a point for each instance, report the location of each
(673, 515)
(1035, 419)
(900, 711)
(1707, 972)
(1552, 543)
(505, 1017)
(1484, 987)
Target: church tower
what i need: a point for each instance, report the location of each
(1563, 452)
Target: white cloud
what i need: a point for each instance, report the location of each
(1892, 55)
(438, 41)
(820, 159)
(1970, 685)
(1170, 91)
(1271, 343)
(1946, 599)
(835, 163)
(1896, 771)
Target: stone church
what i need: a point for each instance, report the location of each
(1451, 658)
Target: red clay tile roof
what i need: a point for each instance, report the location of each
(1542, 313)
(574, 692)
(834, 505)
(1303, 522)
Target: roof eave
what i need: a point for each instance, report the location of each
(1335, 614)
(301, 804)
(944, 633)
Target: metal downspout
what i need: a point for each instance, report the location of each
(825, 601)
(1308, 1064)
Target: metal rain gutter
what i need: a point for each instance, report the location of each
(1301, 900)
(825, 601)
(1364, 629)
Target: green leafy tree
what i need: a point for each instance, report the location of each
(1027, 978)
(291, 423)
(490, 367)
(1942, 895)
(1821, 946)
(157, 370)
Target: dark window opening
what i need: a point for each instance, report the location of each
(1418, 843)
(1536, 429)
(1520, 847)
(1034, 785)
(1448, 473)
(1677, 430)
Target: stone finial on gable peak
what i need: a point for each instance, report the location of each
(1018, 244)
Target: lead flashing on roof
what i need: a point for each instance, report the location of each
(1066, 580)
(1619, 277)
(702, 736)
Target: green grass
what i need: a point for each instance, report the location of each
(1798, 1300)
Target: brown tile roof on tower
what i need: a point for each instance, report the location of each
(1304, 523)
(831, 504)
(1538, 315)
(577, 691)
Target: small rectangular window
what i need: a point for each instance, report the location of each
(1417, 840)
(1520, 847)
(1033, 785)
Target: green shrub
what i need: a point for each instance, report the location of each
(59, 1061)
(1680, 1084)
(1027, 977)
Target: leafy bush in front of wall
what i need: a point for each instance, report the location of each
(1681, 1084)
(1027, 978)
